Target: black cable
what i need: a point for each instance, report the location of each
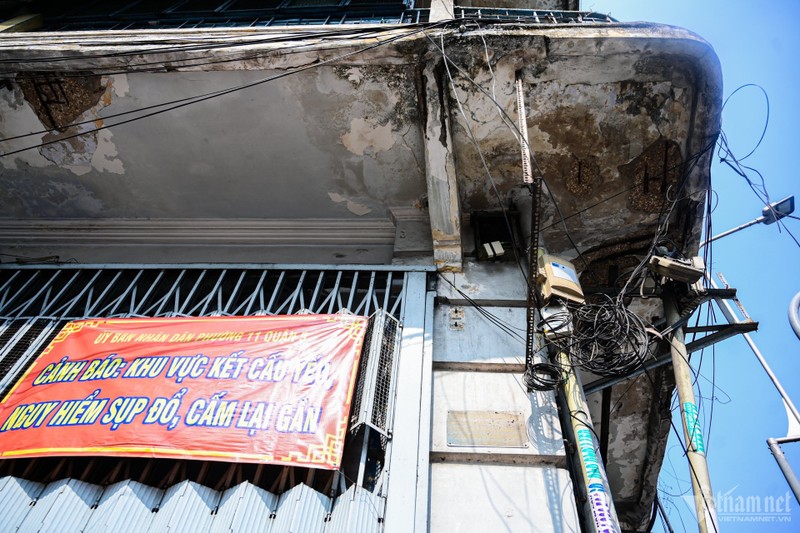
(766, 119)
(515, 246)
(209, 96)
(162, 66)
(727, 157)
(543, 377)
(494, 319)
(201, 46)
(665, 214)
(610, 340)
(225, 40)
(515, 129)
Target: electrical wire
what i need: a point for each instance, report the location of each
(163, 65)
(727, 157)
(204, 45)
(208, 96)
(515, 245)
(494, 319)
(766, 118)
(518, 134)
(610, 340)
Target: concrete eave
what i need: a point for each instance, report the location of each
(627, 88)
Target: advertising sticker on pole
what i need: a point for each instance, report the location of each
(243, 389)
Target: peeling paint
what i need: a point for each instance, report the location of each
(354, 76)
(119, 83)
(353, 207)
(18, 118)
(81, 154)
(73, 153)
(104, 158)
(363, 135)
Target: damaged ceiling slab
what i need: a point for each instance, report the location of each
(344, 129)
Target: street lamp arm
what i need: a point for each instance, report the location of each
(769, 215)
(753, 222)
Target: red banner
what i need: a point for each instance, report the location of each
(258, 389)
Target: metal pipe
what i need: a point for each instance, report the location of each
(664, 515)
(692, 429)
(786, 469)
(727, 310)
(769, 215)
(753, 222)
(794, 314)
(604, 383)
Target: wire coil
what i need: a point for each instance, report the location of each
(608, 339)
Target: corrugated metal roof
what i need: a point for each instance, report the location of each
(301, 509)
(186, 506)
(65, 505)
(356, 510)
(245, 507)
(72, 505)
(16, 497)
(125, 506)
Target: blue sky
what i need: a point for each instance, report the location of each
(756, 43)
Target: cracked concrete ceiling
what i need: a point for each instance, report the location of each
(615, 114)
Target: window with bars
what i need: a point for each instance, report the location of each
(154, 14)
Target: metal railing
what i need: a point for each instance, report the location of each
(536, 16)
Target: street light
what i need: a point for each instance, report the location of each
(769, 215)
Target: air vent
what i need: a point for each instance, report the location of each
(375, 388)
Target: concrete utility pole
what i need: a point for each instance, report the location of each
(601, 514)
(692, 429)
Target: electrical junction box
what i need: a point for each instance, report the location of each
(558, 277)
(555, 321)
(686, 271)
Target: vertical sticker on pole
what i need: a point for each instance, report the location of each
(599, 498)
(693, 428)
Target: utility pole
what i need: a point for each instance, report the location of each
(692, 429)
(540, 374)
(601, 514)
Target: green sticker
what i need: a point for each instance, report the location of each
(693, 428)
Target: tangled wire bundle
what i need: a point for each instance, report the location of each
(609, 340)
